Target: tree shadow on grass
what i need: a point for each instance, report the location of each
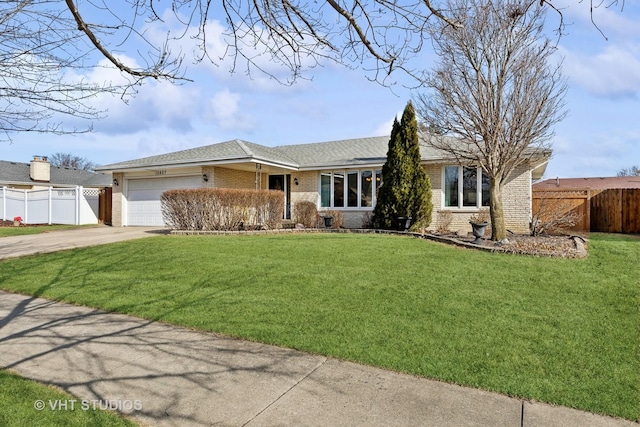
(177, 375)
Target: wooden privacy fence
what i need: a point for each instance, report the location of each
(562, 202)
(616, 211)
(612, 211)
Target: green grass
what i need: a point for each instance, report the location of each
(20, 396)
(554, 330)
(21, 231)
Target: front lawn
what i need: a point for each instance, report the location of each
(24, 230)
(554, 330)
(28, 403)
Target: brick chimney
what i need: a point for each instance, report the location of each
(40, 169)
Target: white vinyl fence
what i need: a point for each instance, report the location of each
(75, 205)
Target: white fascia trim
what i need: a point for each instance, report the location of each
(177, 165)
(341, 166)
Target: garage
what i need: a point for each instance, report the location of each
(143, 196)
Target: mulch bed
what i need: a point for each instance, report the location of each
(560, 246)
(9, 223)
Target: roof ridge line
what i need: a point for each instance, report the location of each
(244, 147)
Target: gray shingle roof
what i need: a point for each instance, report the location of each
(18, 173)
(229, 150)
(341, 152)
(591, 183)
(349, 152)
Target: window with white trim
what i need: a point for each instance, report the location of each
(465, 187)
(349, 188)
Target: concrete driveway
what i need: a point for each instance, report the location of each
(17, 246)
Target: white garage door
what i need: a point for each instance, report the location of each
(143, 197)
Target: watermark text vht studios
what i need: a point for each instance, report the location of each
(126, 405)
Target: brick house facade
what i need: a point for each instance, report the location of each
(336, 175)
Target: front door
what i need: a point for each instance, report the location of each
(282, 183)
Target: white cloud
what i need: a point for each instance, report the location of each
(224, 108)
(254, 68)
(153, 144)
(154, 104)
(613, 72)
(577, 154)
(613, 20)
(384, 128)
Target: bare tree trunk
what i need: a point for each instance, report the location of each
(498, 227)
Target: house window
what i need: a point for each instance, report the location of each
(465, 187)
(350, 189)
(451, 186)
(338, 190)
(325, 189)
(469, 187)
(366, 187)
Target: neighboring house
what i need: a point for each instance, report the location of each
(39, 174)
(589, 183)
(342, 175)
(43, 194)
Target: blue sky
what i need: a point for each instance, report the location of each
(600, 136)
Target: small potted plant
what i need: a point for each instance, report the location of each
(479, 223)
(16, 221)
(403, 223)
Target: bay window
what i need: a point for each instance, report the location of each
(338, 190)
(465, 187)
(349, 188)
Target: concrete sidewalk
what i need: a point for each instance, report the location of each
(179, 377)
(17, 246)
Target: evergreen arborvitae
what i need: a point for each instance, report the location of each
(406, 188)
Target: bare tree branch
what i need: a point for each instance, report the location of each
(68, 160)
(44, 42)
(156, 71)
(493, 95)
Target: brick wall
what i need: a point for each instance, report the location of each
(233, 178)
(516, 197)
(210, 171)
(117, 201)
(354, 219)
(307, 188)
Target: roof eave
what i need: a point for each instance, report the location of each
(199, 163)
(342, 165)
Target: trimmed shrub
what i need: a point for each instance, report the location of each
(444, 221)
(306, 213)
(222, 209)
